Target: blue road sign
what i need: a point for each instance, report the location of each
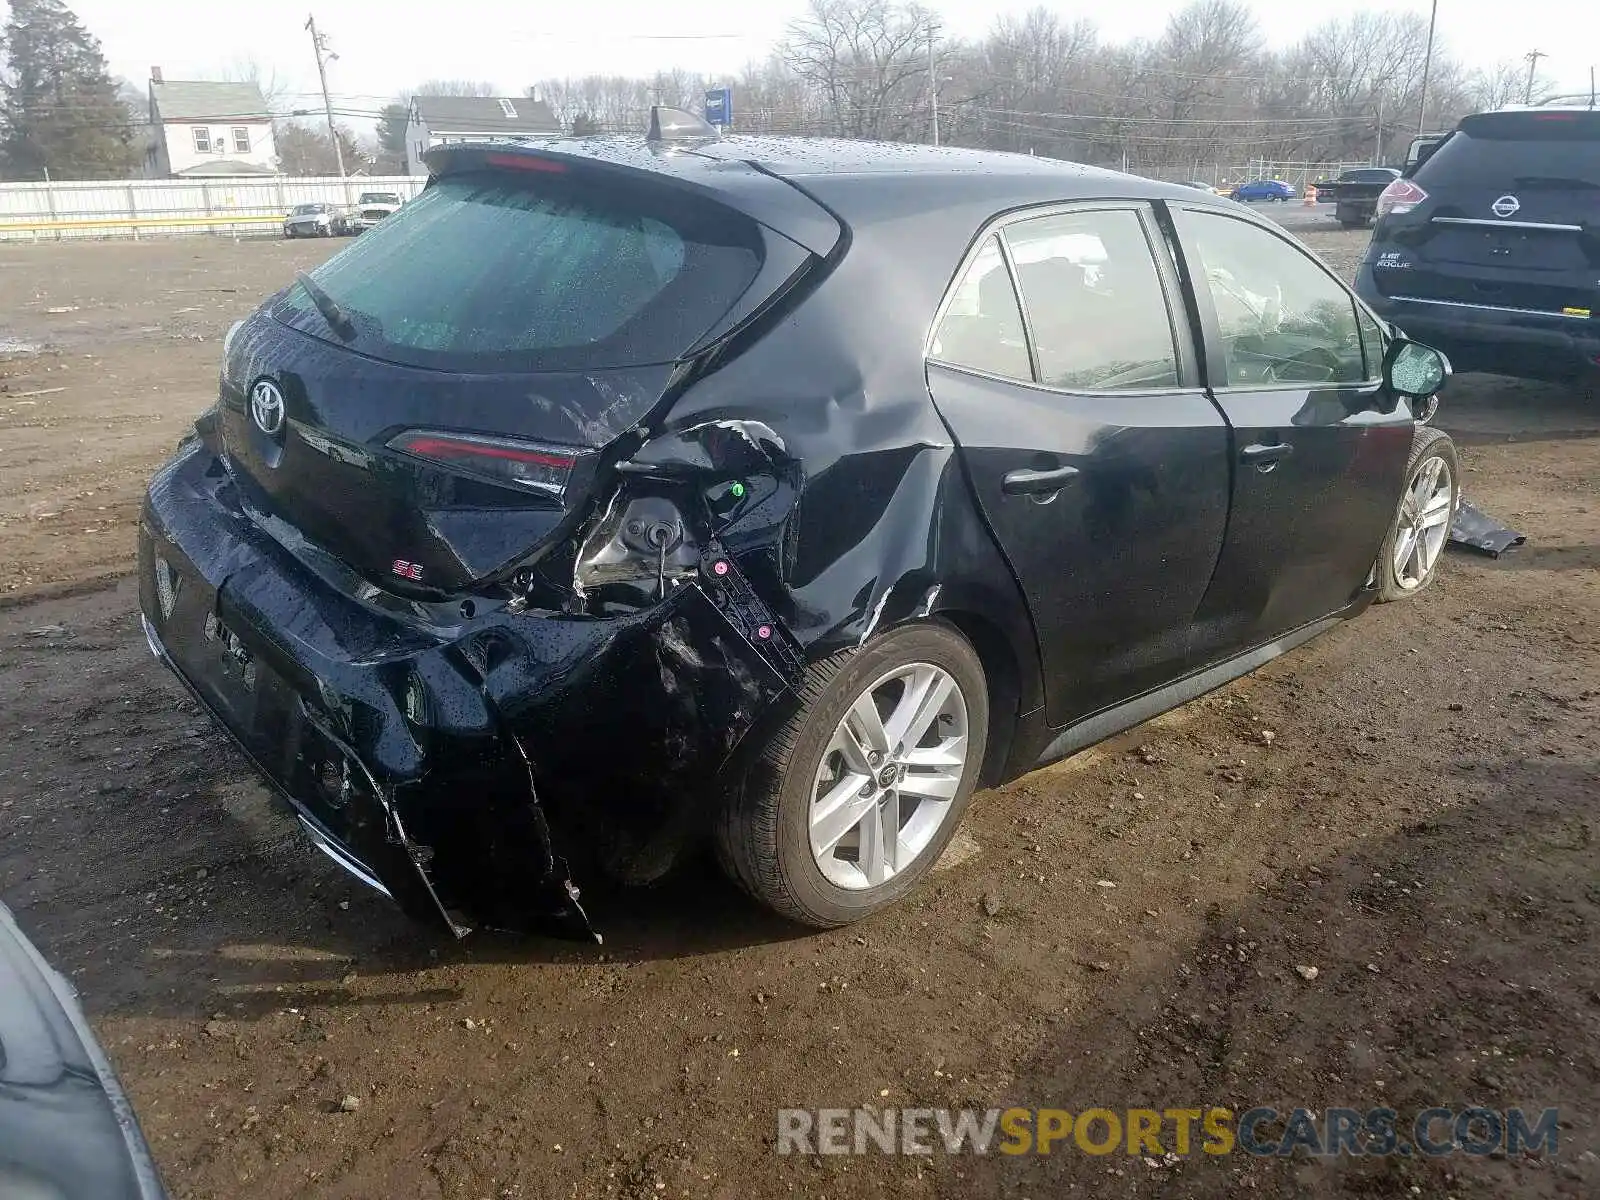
(719, 106)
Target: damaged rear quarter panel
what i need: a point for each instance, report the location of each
(873, 521)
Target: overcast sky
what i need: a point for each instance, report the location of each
(385, 46)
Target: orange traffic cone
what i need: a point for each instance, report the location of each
(1311, 195)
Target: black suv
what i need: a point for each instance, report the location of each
(1490, 250)
(618, 493)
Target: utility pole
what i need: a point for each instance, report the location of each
(320, 45)
(1377, 154)
(1427, 64)
(933, 84)
(1533, 57)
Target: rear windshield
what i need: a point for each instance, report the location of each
(1527, 148)
(378, 198)
(1377, 175)
(493, 271)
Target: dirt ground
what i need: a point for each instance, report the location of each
(1408, 805)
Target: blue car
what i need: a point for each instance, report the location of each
(1264, 189)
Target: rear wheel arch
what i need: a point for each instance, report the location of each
(765, 829)
(1003, 675)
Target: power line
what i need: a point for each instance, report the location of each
(1155, 139)
(1205, 121)
(626, 37)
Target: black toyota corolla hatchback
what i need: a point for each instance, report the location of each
(621, 493)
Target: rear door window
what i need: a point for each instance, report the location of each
(1096, 309)
(982, 325)
(496, 272)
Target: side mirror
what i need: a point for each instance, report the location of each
(1413, 370)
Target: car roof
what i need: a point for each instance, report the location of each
(861, 181)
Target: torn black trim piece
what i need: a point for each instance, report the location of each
(1474, 529)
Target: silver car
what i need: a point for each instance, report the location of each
(66, 1129)
(313, 220)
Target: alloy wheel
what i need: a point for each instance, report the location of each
(889, 776)
(1424, 522)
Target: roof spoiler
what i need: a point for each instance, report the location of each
(675, 125)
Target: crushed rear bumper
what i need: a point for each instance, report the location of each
(452, 762)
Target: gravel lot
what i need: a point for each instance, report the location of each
(1419, 826)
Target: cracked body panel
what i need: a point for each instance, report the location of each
(442, 755)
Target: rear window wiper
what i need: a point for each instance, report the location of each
(338, 320)
(1555, 181)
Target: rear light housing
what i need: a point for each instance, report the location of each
(530, 465)
(1400, 197)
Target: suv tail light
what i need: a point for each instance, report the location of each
(1399, 197)
(538, 468)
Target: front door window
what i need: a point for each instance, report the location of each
(1282, 318)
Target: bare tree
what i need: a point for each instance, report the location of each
(869, 61)
(1205, 99)
(306, 149)
(1200, 79)
(1361, 73)
(248, 69)
(453, 87)
(1024, 75)
(1505, 83)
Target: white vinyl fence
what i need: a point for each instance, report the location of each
(162, 207)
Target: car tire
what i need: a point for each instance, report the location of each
(1433, 457)
(768, 831)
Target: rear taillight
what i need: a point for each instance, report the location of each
(526, 162)
(538, 468)
(1399, 197)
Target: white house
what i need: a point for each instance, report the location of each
(437, 120)
(203, 129)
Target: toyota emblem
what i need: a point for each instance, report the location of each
(266, 407)
(1505, 206)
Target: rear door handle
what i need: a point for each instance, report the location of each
(1265, 456)
(1027, 482)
